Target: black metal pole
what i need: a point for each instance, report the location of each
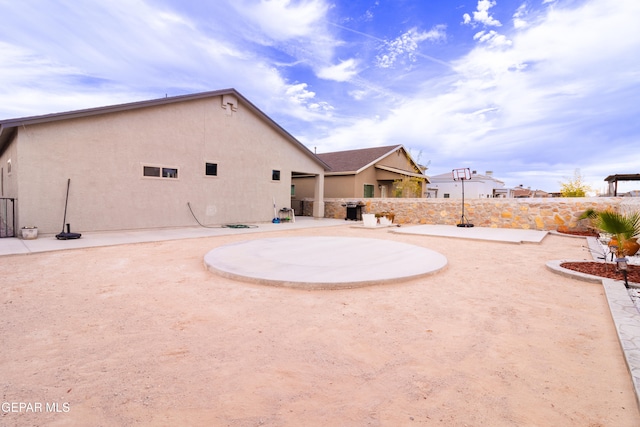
(463, 221)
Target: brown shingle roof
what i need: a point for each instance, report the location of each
(354, 160)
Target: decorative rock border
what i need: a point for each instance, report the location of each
(627, 320)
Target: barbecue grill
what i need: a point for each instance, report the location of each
(354, 211)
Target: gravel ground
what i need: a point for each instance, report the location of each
(143, 334)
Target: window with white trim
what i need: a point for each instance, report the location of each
(368, 190)
(159, 172)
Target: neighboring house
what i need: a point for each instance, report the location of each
(478, 186)
(370, 172)
(521, 193)
(145, 164)
(541, 193)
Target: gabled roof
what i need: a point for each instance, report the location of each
(9, 127)
(522, 192)
(355, 161)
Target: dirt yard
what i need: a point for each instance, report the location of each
(143, 334)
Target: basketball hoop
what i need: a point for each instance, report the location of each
(462, 174)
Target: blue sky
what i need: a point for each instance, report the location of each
(532, 90)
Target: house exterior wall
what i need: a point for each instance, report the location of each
(398, 160)
(104, 155)
(473, 189)
(304, 187)
(339, 185)
(367, 176)
(352, 186)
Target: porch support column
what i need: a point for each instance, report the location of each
(318, 197)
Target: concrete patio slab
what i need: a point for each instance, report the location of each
(323, 262)
(47, 243)
(510, 235)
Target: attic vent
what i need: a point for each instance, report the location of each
(229, 103)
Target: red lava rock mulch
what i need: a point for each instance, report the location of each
(602, 269)
(586, 233)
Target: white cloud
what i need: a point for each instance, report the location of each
(299, 93)
(51, 84)
(300, 102)
(358, 94)
(560, 80)
(341, 72)
(542, 98)
(405, 47)
(519, 17)
(100, 53)
(492, 39)
(482, 15)
(284, 19)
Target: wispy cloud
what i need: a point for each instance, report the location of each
(87, 50)
(521, 96)
(405, 47)
(284, 19)
(540, 96)
(492, 39)
(519, 16)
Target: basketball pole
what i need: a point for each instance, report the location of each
(462, 175)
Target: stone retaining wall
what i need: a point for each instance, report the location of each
(535, 214)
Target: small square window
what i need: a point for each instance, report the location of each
(275, 175)
(446, 195)
(211, 169)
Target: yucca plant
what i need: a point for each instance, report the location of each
(625, 229)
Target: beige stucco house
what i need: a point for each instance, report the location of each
(143, 164)
(365, 173)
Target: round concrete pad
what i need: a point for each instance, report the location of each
(323, 262)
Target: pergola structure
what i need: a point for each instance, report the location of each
(613, 181)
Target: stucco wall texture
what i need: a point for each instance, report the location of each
(104, 157)
(534, 214)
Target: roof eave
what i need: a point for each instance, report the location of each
(393, 150)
